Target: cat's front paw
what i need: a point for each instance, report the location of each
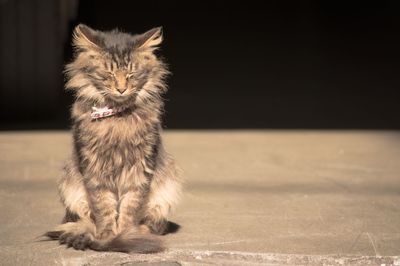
(144, 229)
(106, 234)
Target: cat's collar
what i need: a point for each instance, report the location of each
(101, 112)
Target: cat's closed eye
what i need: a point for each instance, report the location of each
(98, 76)
(130, 75)
(111, 74)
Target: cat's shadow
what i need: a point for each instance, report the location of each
(172, 228)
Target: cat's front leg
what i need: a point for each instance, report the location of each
(130, 210)
(104, 206)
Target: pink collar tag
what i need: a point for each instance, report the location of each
(104, 112)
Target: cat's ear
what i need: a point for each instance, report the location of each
(86, 37)
(150, 39)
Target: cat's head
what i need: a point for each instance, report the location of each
(116, 67)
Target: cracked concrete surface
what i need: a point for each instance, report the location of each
(251, 198)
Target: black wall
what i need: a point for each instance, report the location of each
(257, 64)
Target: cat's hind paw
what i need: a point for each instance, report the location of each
(81, 242)
(78, 242)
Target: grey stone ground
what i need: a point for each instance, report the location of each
(251, 198)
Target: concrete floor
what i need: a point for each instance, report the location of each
(251, 198)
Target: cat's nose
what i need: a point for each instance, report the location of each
(121, 90)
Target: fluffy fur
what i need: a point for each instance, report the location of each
(120, 183)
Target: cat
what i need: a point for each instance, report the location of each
(120, 183)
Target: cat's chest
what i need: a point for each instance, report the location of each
(113, 140)
(114, 130)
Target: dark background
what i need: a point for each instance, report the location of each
(235, 64)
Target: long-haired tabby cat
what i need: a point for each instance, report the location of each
(120, 183)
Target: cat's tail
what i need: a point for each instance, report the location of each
(130, 242)
(81, 235)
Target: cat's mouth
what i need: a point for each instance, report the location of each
(122, 98)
